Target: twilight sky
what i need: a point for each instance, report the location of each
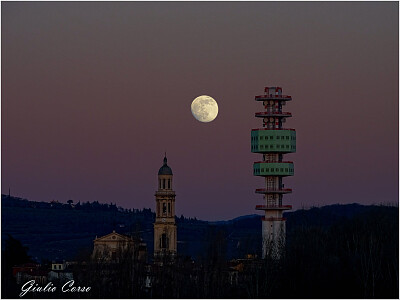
(94, 93)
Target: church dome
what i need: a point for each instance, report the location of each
(165, 169)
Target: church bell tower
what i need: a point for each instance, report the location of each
(164, 226)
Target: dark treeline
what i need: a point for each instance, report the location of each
(10, 201)
(353, 258)
(348, 257)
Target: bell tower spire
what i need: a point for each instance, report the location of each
(165, 238)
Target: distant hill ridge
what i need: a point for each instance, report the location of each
(59, 230)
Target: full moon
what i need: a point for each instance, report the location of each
(204, 108)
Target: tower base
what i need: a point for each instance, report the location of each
(273, 237)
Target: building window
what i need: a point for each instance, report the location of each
(164, 208)
(169, 183)
(164, 241)
(277, 137)
(164, 184)
(114, 255)
(169, 207)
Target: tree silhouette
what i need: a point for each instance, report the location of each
(14, 254)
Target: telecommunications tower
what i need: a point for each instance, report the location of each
(273, 141)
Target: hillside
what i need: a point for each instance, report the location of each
(56, 230)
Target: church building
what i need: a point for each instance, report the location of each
(114, 246)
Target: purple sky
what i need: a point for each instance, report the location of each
(94, 93)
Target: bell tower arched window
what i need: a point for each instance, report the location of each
(163, 241)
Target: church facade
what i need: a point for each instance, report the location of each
(114, 246)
